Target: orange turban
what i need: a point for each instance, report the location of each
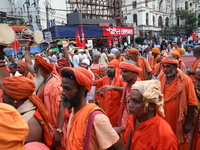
(112, 56)
(167, 60)
(133, 50)
(19, 87)
(114, 63)
(62, 61)
(156, 50)
(175, 54)
(42, 63)
(130, 67)
(14, 129)
(23, 64)
(83, 77)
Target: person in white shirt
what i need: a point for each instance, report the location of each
(81, 55)
(76, 58)
(54, 57)
(189, 51)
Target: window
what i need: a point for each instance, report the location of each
(160, 21)
(134, 4)
(167, 22)
(135, 19)
(153, 21)
(186, 5)
(147, 19)
(146, 3)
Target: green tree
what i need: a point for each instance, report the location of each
(139, 40)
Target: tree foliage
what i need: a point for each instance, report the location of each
(139, 40)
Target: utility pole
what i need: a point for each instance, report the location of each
(47, 14)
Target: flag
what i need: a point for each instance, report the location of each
(83, 37)
(78, 40)
(120, 38)
(15, 45)
(194, 35)
(109, 41)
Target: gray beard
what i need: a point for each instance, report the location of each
(39, 79)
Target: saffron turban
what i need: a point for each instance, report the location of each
(42, 63)
(151, 92)
(133, 50)
(20, 87)
(175, 54)
(130, 67)
(167, 60)
(62, 61)
(156, 50)
(114, 63)
(112, 56)
(14, 129)
(23, 64)
(83, 77)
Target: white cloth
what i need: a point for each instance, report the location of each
(82, 56)
(76, 61)
(91, 94)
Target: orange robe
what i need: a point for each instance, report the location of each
(112, 98)
(152, 62)
(157, 69)
(1, 93)
(155, 134)
(194, 67)
(196, 136)
(144, 65)
(121, 59)
(177, 96)
(102, 103)
(50, 96)
(30, 76)
(95, 68)
(178, 50)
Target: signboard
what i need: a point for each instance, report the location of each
(47, 36)
(118, 31)
(90, 43)
(18, 28)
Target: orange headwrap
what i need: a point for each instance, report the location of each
(130, 67)
(20, 87)
(167, 60)
(23, 64)
(133, 50)
(83, 77)
(114, 63)
(62, 61)
(14, 129)
(42, 63)
(175, 54)
(156, 50)
(112, 56)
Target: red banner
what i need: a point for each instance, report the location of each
(118, 31)
(18, 28)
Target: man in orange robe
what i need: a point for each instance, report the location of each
(129, 72)
(145, 128)
(196, 53)
(180, 100)
(119, 57)
(181, 64)
(111, 86)
(178, 49)
(96, 65)
(21, 67)
(152, 61)
(196, 133)
(48, 89)
(146, 73)
(88, 127)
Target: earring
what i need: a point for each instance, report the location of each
(15, 101)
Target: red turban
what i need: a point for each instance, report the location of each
(19, 87)
(23, 64)
(133, 50)
(156, 50)
(62, 61)
(112, 56)
(14, 129)
(167, 60)
(83, 77)
(42, 63)
(114, 63)
(130, 67)
(175, 54)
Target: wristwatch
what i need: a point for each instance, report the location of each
(59, 130)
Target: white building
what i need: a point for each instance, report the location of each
(150, 17)
(34, 12)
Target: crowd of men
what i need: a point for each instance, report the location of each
(108, 100)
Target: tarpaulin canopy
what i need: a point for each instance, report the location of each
(68, 31)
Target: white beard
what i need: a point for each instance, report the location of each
(39, 79)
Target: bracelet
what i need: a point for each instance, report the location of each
(2, 63)
(27, 48)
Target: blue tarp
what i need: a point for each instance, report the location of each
(10, 52)
(67, 31)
